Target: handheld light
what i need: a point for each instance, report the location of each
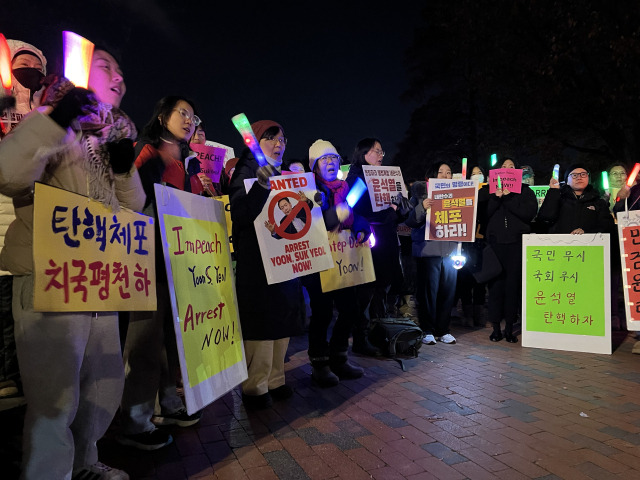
(499, 182)
(78, 52)
(494, 159)
(241, 122)
(356, 192)
(556, 171)
(464, 167)
(5, 64)
(605, 181)
(458, 259)
(633, 175)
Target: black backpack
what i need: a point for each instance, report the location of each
(396, 336)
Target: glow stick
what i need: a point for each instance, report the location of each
(241, 122)
(605, 181)
(633, 175)
(356, 192)
(464, 167)
(494, 159)
(458, 259)
(5, 64)
(78, 52)
(556, 171)
(499, 182)
(372, 240)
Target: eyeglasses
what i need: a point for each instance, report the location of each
(579, 175)
(329, 158)
(377, 152)
(276, 140)
(187, 116)
(618, 174)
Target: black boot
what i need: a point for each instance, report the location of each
(322, 375)
(342, 368)
(496, 335)
(508, 333)
(363, 346)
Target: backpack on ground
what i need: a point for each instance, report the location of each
(396, 336)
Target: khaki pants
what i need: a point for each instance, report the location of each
(265, 365)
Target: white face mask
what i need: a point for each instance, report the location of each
(478, 176)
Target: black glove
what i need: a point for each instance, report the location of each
(72, 105)
(121, 155)
(319, 198)
(264, 173)
(402, 204)
(6, 102)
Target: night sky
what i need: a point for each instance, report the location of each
(331, 70)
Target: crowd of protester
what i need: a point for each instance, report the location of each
(77, 369)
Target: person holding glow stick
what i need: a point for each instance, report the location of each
(509, 216)
(269, 314)
(329, 361)
(436, 275)
(70, 363)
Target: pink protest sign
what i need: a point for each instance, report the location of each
(211, 160)
(511, 179)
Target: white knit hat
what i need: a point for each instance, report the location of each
(319, 149)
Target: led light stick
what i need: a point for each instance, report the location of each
(633, 175)
(499, 182)
(5, 65)
(356, 192)
(494, 159)
(458, 259)
(556, 171)
(464, 167)
(241, 122)
(605, 182)
(77, 58)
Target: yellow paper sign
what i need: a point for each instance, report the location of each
(227, 215)
(353, 264)
(203, 282)
(87, 258)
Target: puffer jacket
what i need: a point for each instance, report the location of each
(25, 158)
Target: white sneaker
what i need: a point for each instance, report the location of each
(448, 338)
(429, 340)
(102, 472)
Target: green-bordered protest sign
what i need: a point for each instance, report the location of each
(566, 292)
(540, 192)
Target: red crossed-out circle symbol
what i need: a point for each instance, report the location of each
(280, 229)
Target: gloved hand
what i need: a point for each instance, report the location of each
(264, 173)
(342, 211)
(121, 155)
(68, 102)
(319, 198)
(403, 207)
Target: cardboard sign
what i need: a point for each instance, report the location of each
(540, 192)
(383, 184)
(566, 302)
(353, 263)
(203, 300)
(629, 235)
(290, 229)
(453, 214)
(511, 178)
(88, 258)
(211, 160)
(227, 215)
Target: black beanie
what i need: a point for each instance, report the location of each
(572, 167)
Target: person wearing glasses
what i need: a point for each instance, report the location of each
(150, 354)
(575, 207)
(386, 252)
(269, 314)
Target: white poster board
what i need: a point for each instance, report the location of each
(629, 237)
(566, 292)
(203, 299)
(383, 184)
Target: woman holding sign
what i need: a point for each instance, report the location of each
(329, 359)
(509, 216)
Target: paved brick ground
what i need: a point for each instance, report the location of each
(476, 410)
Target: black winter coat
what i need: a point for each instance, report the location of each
(509, 216)
(267, 312)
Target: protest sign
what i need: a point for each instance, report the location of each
(211, 160)
(629, 235)
(88, 258)
(511, 179)
(227, 215)
(383, 185)
(453, 214)
(353, 263)
(566, 296)
(540, 192)
(229, 153)
(203, 299)
(290, 229)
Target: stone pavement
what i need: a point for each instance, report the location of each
(477, 410)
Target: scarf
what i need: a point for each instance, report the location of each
(339, 190)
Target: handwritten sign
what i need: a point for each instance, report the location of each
(88, 258)
(353, 263)
(511, 179)
(566, 292)
(227, 215)
(205, 311)
(290, 229)
(540, 192)
(211, 160)
(383, 184)
(453, 214)
(629, 235)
